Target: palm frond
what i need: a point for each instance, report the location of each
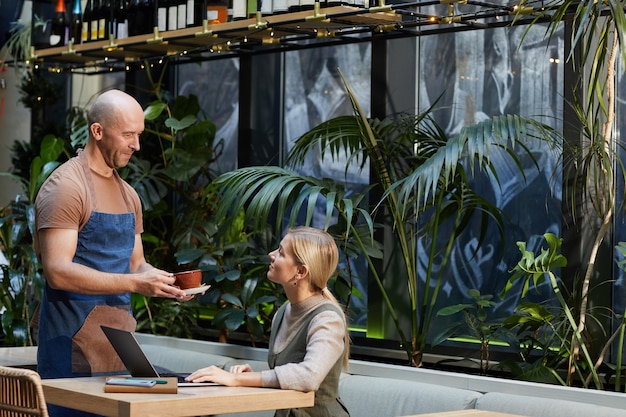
(474, 144)
(336, 137)
(144, 178)
(277, 195)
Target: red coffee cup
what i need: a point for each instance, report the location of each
(188, 279)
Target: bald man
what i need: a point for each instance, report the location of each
(88, 237)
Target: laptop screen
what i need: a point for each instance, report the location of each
(137, 363)
(128, 349)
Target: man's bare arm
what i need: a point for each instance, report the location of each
(57, 250)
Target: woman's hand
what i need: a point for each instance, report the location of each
(239, 376)
(213, 374)
(239, 369)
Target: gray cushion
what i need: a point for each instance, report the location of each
(543, 407)
(177, 360)
(387, 397)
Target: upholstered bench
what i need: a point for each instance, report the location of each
(382, 390)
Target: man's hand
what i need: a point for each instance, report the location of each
(154, 282)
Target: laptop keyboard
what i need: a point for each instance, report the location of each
(181, 377)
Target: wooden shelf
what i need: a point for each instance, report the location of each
(287, 31)
(235, 36)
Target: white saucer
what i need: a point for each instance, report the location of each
(197, 290)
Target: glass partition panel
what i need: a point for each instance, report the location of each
(619, 239)
(216, 84)
(476, 75)
(314, 93)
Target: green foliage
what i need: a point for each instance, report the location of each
(592, 165)
(36, 92)
(620, 248)
(533, 270)
(18, 44)
(21, 283)
(41, 166)
(165, 316)
(544, 343)
(236, 267)
(175, 162)
(477, 325)
(420, 174)
(180, 228)
(79, 127)
(166, 182)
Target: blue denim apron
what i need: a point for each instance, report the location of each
(70, 339)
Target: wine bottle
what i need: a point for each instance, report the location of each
(93, 23)
(267, 7)
(121, 19)
(76, 23)
(135, 25)
(142, 17)
(279, 6)
(172, 14)
(105, 23)
(240, 9)
(162, 12)
(194, 13)
(252, 8)
(104, 19)
(216, 11)
(229, 10)
(181, 13)
(86, 31)
(60, 27)
(132, 18)
(151, 7)
(307, 4)
(293, 6)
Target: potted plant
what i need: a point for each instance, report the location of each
(420, 175)
(591, 161)
(181, 231)
(21, 283)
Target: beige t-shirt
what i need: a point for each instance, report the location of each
(65, 202)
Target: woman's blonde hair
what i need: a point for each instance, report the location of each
(317, 249)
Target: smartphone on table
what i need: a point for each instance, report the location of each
(132, 382)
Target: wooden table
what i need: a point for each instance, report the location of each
(87, 394)
(466, 413)
(19, 357)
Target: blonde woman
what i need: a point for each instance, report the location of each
(308, 343)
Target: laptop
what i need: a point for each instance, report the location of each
(135, 360)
